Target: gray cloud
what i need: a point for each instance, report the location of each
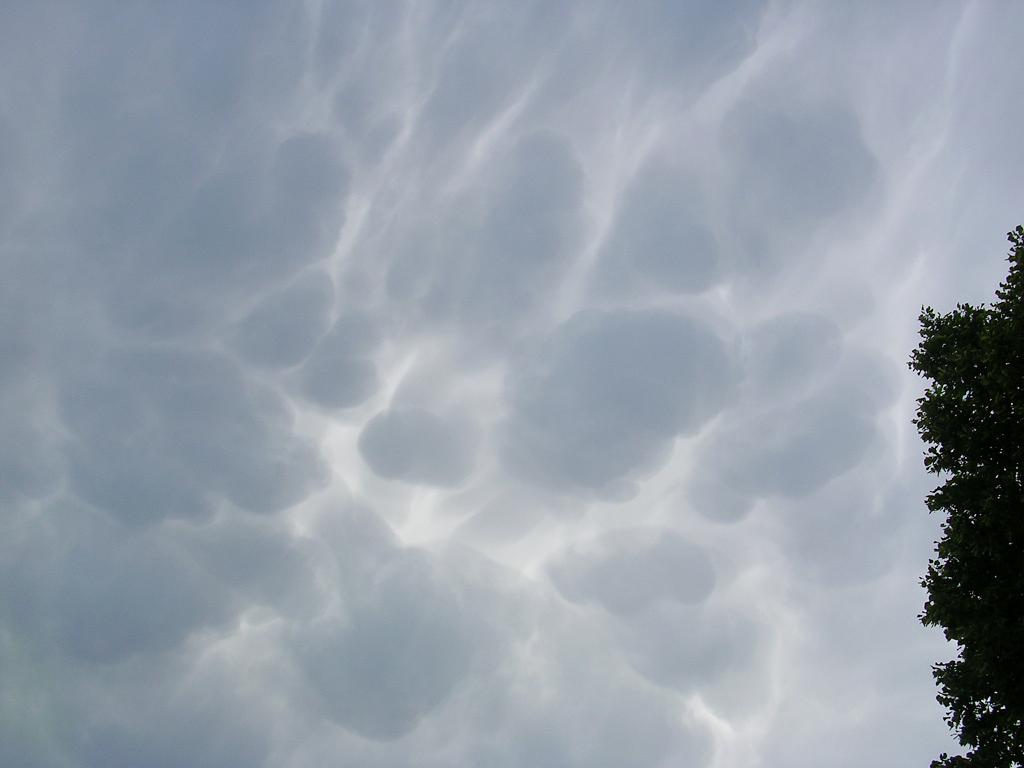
(661, 237)
(483, 68)
(257, 560)
(395, 655)
(706, 649)
(30, 464)
(788, 354)
(415, 445)
(692, 42)
(848, 532)
(103, 595)
(792, 451)
(183, 204)
(796, 165)
(600, 401)
(808, 438)
(494, 256)
(341, 373)
(174, 711)
(582, 281)
(805, 161)
(252, 223)
(629, 569)
(283, 328)
(162, 433)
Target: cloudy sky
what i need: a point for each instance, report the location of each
(502, 384)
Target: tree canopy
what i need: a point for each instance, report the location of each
(971, 418)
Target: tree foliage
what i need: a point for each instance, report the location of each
(971, 418)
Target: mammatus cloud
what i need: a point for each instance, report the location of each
(492, 258)
(602, 398)
(507, 384)
(629, 570)
(340, 372)
(156, 433)
(418, 446)
(661, 237)
(282, 329)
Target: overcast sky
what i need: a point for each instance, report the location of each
(443, 384)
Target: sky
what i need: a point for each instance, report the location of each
(437, 383)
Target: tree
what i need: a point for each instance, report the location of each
(971, 419)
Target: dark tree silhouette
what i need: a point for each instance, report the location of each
(971, 418)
